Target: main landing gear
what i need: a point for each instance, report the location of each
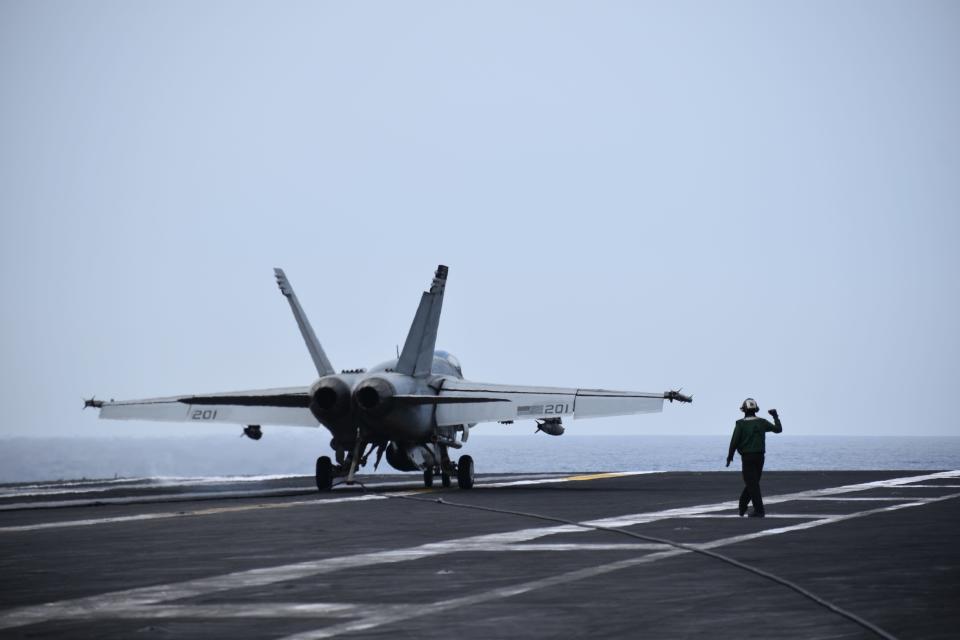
(324, 473)
(328, 471)
(463, 470)
(347, 464)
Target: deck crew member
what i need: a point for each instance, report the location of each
(749, 438)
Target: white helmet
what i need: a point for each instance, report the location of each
(749, 405)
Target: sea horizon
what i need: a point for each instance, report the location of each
(66, 458)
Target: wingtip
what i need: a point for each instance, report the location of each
(676, 395)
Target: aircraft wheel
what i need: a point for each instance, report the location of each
(445, 479)
(324, 474)
(428, 478)
(465, 472)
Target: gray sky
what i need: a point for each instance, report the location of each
(742, 198)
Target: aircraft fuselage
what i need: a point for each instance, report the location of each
(375, 405)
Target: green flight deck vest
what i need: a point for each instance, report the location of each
(749, 436)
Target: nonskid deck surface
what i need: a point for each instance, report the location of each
(271, 558)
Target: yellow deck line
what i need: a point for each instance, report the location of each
(597, 476)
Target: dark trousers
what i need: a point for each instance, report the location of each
(752, 470)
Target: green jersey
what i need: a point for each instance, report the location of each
(749, 436)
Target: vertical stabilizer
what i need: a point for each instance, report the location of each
(416, 359)
(320, 361)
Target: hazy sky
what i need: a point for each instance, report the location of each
(740, 198)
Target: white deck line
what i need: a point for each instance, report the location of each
(857, 499)
(932, 486)
(113, 484)
(376, 619)
(88, 522)
(103, 605)
(641, 518)
(785, 516)
(196, 496)
(316, 501)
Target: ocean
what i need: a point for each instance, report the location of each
(294, 453)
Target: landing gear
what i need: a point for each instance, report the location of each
(324, 474)
(428, 477)
(465, 472)
(446, 468)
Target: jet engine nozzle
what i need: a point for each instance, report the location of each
(374, 395)
(330, 397)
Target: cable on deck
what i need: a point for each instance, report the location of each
(679, 545)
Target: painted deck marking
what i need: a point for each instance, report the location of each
(381, 618)
(871, 499)
(87, 522)
(104, 606)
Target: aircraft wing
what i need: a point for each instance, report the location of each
(502, 403)
(283, 407)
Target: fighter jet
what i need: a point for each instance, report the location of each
(414, 408)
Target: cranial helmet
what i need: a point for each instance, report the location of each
(749, 405)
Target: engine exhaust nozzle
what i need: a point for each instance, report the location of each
(330, 397)
(374, 395)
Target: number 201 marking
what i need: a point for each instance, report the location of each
(556, 409)
(203, 414)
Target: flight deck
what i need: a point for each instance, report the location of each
(582, 555)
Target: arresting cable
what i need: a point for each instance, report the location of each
(679, 545)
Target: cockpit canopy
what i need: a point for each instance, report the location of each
(450, 359)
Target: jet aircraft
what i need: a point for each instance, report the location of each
(414, 408)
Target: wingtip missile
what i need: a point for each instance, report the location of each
(676, 395)
(93, 402)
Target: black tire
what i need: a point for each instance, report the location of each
(445, 479)
(428, 478)
(465, 472)
(324, 474)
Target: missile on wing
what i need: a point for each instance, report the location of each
(550, 426)
(676, 395)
